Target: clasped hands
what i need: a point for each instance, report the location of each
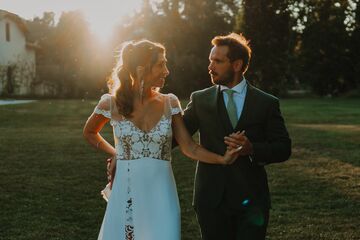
(237, 145)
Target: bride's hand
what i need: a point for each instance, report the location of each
(231, 155)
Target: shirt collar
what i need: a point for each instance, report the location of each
(239, 88)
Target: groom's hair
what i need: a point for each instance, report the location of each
(238, 48)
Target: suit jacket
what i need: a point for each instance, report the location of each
(245, 181)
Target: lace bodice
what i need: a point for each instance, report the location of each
(133, 143)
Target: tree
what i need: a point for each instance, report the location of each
(266, 24)
(325, 52)
(42, 33)
(353, 51)
(74, 52)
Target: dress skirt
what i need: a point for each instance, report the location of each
(143, 204)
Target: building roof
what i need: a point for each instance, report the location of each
(18, 20)
(22, 26)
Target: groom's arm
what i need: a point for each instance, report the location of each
(190, 118)
(277, 147)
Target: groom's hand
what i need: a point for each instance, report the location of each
(240, 141)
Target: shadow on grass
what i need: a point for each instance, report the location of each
(341, 144)
(307, 206)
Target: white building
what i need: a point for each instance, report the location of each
(17, 57)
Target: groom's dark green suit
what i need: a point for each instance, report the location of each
(243, 183)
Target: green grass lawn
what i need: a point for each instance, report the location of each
(50, 178)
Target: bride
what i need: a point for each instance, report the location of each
(143, 203)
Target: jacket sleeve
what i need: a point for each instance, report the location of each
(190, 118)
(277, 146)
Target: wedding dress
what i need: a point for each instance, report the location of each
(143, 204)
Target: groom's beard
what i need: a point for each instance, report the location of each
(225, 79)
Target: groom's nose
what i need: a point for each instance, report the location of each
(211, 66)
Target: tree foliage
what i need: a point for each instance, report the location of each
(69, 57)
(186, 28)
(296, 43)
(327, 49)
(266, 24)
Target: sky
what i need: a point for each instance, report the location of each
(102, 15)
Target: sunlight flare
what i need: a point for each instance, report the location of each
(102, 16)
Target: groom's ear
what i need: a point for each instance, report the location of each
(237, 65)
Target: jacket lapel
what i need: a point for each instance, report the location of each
(213, 100)
(217, 103)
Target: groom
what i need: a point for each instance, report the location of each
(232, 201)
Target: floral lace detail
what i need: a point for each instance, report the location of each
(133, 143)
(129, 232)
(105, 113)
(129, 221)
(176, 110)
(104, 106)
(175, 105)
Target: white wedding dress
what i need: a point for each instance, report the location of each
(143, 204)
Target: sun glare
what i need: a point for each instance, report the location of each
(102, 16)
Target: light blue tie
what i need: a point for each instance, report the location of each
(231, 107)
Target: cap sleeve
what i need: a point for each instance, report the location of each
(175, 104)
(104, 107)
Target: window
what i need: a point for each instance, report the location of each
(7, 32)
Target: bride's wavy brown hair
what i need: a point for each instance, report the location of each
(141, 53)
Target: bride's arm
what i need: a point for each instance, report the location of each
(91, 133)
(193, 150)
